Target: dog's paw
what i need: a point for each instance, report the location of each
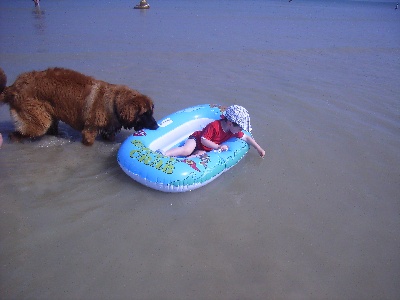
(15, 137)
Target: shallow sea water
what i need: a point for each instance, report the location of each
(318, 218)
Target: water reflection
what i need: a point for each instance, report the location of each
(39, 23)
(39, 19)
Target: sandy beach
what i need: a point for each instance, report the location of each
(317, 218)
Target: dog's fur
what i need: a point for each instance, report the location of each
(39, 99)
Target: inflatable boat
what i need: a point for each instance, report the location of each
(140, 155)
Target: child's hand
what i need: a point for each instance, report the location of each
(223, 147)
(261, 152)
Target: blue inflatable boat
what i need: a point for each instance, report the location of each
(138, 158)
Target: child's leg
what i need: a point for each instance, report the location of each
(184, 150)
(197, 153)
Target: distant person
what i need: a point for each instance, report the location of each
(36, 2)
(1, 140)
(143, 4)
(397, 5)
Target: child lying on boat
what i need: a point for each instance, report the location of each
(235, 119)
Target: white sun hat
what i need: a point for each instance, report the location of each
(239, 115)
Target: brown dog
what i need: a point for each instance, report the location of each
(39, 99)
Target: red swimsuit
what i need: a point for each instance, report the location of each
(213, 132)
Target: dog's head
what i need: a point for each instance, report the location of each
(136, 112)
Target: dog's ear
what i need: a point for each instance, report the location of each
(130, 109)
(128, 112)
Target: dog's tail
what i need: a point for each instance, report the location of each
(3, 83)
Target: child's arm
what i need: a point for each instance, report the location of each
(212, 145)
(249, 140)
